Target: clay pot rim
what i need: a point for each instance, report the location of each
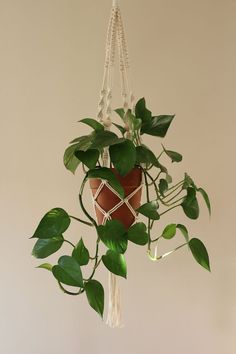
(134, 175)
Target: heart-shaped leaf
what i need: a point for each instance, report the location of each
(184, 231)
(53, 224)
(169, 232)
(101, 139)
(173, 155)
(145, 155)
(150, 210)
(190, 204)
(95, 295)
(142, 112)
(163, 186)
(113, 235)
(157, 126)
(89, 157)
(206, 198)
(188, 182)
(83, 142)
(45, 247)
(120, 112)
(132, 122)
(46, 266)
(115, 263)
(71, 162)
(81, 253)
(92, 123)
(107, 174)
(68, 272)
(168, 178)
(123, 156)
(199, 252)
(137, 234)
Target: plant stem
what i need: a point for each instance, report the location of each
(81, 201)
(156, 239)
(83, 221)
(156, 189)
(69, 292)
(166, 254)
(70, 243)
(176, 195)
(149, 235)
(177, 185)
(155, 179)
(166, 211)
(160, 154)
(146, 184)
(97, 262)
(152, 223)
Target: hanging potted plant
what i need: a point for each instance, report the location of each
(120, 169)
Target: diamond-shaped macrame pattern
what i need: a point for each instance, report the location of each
(111, 206)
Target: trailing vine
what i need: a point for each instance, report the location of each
(126, 151)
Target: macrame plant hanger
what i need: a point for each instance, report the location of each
(115, 38)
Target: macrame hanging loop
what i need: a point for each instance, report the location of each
(115, 38)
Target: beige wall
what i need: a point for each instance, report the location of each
(183, 61)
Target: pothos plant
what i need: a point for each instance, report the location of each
(126, 151)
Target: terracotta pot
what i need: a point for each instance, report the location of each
(107, 199)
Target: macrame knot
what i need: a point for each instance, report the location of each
(107, 122)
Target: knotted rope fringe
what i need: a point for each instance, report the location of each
(114, 307)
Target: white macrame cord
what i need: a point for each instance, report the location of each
(115, 37)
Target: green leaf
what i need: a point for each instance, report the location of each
(68, 272)
(188, 182)
(199, 253)
(168, 178)
(92, 123)
(113, 235)
(137, 234)
(123, 156)
(142, 112)
(169, 231)
(45, 247)
(46, 266)
(120, 112)
(121, 129)
(83, 142)
(158, 126)
(174, 156)
(70, 160)
(190, 204)
(183, 230)
(89, 157)
(145, 155)
(150, 210)
(81, 253)
(104, 138)
(95, 295)
(133, 122)
(137, 123)
(163, 186)
(115, 263)
(106, 174)
(53, 224)
(206, 198)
